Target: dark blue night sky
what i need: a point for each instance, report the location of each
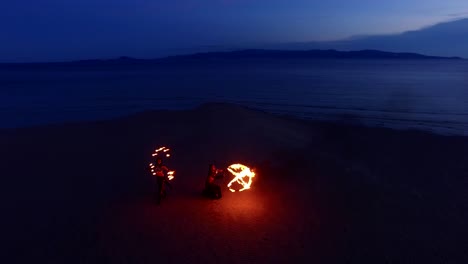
(51, 30)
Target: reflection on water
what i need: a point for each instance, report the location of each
(425, 94)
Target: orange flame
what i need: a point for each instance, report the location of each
(170, 175)
(164, 150)
(240, 172)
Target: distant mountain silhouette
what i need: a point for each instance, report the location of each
(444, 39)
(308, 54)
(240, 54)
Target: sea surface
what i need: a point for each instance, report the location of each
(428, 95)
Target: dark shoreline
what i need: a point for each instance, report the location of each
(342, 121)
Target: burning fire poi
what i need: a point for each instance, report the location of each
(242, 175)
(162, 151)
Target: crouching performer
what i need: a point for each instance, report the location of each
(213, 190)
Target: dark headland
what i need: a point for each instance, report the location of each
(243, 54)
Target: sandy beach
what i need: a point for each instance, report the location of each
(324, 193)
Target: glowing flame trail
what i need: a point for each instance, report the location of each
(164, 150)
(240, 172)
(170, 175)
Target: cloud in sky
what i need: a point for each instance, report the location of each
(66, 29)
(458, 15)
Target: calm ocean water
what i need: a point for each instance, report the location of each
(404, 94)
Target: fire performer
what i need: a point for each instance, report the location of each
(213, 190)
(159, 171)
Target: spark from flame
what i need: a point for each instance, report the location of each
(164, 150)
(240, 172)
(161, 149)
(170, 175)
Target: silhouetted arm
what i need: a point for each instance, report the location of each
(219, 174)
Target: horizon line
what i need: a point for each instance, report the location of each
(129, 58)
